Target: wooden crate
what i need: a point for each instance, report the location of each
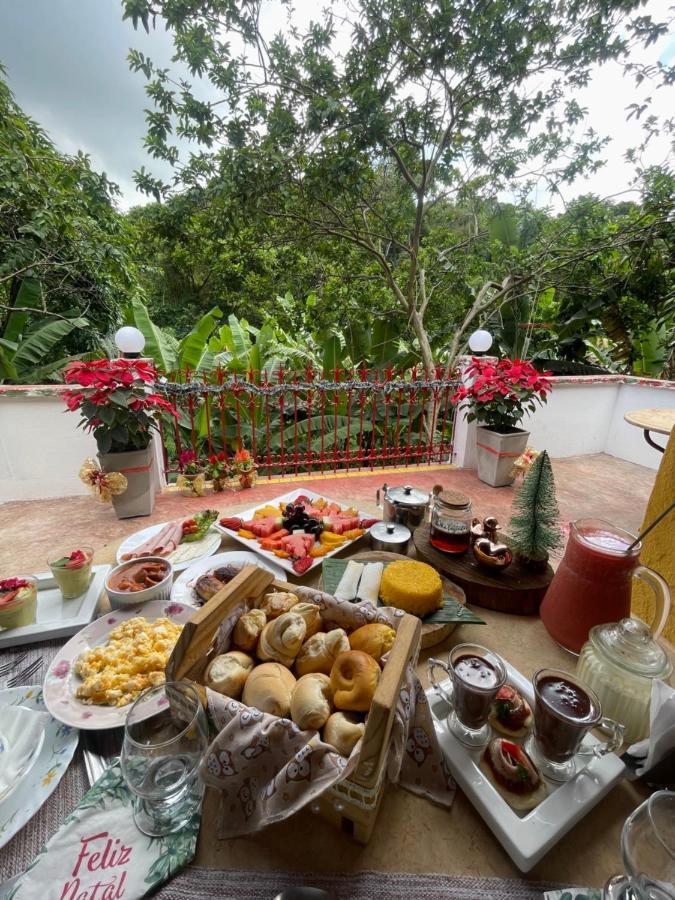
(353, 803)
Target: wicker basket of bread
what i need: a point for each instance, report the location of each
(303, 691)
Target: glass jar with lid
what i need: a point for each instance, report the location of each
(451, 518)
(620, 661)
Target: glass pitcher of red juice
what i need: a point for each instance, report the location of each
(593, 584)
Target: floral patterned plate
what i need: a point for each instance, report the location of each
(61, 682)
(58, 747)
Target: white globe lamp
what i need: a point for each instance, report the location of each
(480, 341)
(129, 341)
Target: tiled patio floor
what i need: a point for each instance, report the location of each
(597, 485)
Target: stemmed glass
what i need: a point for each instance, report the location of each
(648, 850)
(165, 738)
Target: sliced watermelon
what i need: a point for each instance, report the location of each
(263, 527)
(339, 524)
(301, 565)
(296, 544)
(231, 522)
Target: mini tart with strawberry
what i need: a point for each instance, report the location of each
(513, 774)
(511, 713)
(18, 602)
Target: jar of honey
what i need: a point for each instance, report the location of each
(451, 518)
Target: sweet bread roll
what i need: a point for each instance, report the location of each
(281, 639)
(343, 731)
(311, 701)
(319, 652)
(310, 613)
(354, 677)
(374, 639)
(229, 672)
(269, 688)
(248, 629)
(277, 603)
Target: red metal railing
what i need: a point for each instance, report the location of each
(307, 421)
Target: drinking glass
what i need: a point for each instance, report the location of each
(560, 727)
(648, 851)
(165, 738)
(474, 686)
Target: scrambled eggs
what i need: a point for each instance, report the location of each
(132, 659)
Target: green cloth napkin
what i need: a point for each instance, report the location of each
(451, 611)
(98, 851)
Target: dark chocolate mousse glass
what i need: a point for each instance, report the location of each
(565, 709)
(476, 675)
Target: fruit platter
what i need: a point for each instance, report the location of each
(298, 530)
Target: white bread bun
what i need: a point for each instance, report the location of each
(354, 677)
(248, 629)
(281, 639)
(319, 652)
(375, 639)
(229, 672)
(277, 603)
(310, 613)
(311, 701)
(269, 688)
(343, 731)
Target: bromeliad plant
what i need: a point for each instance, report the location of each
(218, 469)
(244, 468)
(114, 402)
(189, 463)
(502, 392)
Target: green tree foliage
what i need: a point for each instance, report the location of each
(357, 145)
(64, 260)
(534, 530)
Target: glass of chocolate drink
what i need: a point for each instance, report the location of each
(565, 709)
(476, 674)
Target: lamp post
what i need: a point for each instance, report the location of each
(129, 341)
(480, 342)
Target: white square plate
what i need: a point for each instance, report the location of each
(287, 498)
(527, 837)
(55, 616)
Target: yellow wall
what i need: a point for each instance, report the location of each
(658, 550)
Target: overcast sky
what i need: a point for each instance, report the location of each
(66, 63)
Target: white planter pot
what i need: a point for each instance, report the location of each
(136, 466)
(496, 454)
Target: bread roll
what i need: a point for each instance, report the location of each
(318, 653)
(229, 672)
(269, 688)
(374, 639)
(281, 639)
(354, 677)
(343, 731)
(277, 603)
(311, 701)
(248, 629)
(310, 613)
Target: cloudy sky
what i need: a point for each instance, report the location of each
(66, 63)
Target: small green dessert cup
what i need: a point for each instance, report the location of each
(72, 570)
(18, 601)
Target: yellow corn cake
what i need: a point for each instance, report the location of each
(132, 659)
(412, 586)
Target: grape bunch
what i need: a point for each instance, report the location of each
(295, 517)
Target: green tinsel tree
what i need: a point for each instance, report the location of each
(534, 529)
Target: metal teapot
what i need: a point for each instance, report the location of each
(406, 505)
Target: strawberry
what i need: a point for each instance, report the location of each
(231, 522)
(300, 566)
(301, 499)
(366, 523)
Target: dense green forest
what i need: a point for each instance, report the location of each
(349, 209)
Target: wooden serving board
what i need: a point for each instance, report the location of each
(515, 590)
(433, 633)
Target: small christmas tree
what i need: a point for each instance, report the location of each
(534, 529)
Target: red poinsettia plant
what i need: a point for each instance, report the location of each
(114, 402)
(502, 392)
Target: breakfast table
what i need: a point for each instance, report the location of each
(412, 836)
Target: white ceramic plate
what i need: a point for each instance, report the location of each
(61, 682)
(56, 617)
(39, 781)
(185, 554)
(286, 498)
(183, 587)
(527, 837)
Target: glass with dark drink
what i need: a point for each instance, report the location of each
(565, 709)
(476, 674)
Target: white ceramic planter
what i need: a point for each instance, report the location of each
(496, 454)
(136, 466)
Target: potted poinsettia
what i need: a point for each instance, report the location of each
(192, 480)
(218, 470)
(498, 397)
(244, 468)
(116, 406)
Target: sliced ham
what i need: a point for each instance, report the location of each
(161, 544)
